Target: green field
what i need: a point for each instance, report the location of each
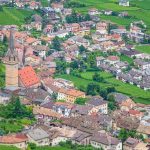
(13, 16)
(139, 95)
(126, 58)
(52, 148)
(138, 10)
(2, 147)
(44, 3)
(144, 49)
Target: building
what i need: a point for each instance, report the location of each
(70, 95)
(28, 77)
(63, 108)
(98, 104)
(135, 144)
(45, 114)
(39, 137)
(17, 140)
(105, 141)
(4, 97)
(11, 63)
(35, 96)
(124, 2)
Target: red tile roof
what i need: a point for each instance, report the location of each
(28, 76)
(13, 139)
(134, 112)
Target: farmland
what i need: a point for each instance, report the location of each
(138, 95)
(10, 16)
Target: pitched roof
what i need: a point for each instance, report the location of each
(105, 139)
(13, 138)
(36, 94)
(134, 112)
(72, 92)
(119, 97)
(81, 109)
(131, 142)
(45, 112)
(64, 104)
(96, 101)
(38, 134)
(28, 76)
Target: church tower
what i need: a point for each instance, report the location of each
(11, 64)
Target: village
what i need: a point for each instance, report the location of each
(72, 77)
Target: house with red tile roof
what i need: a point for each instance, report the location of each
(18, 140)
(136, 113)
(28, 77)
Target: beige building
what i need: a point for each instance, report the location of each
(11, 64)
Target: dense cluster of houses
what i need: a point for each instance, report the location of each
(53, 100)
(82, 124)
(136, 76)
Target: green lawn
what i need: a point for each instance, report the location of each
(139, 95)
(2, 147)
(52, 148)
(144, 49)
(44, 3)
(13, 16)
(126, 58)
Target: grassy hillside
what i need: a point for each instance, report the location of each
(13, 16)
(138, 10)
(2, 147)
(138, 95)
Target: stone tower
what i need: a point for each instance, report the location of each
(11, 64)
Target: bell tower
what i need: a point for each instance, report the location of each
(11, 64)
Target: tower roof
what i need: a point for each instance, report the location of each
(11, 50)
(11, 56)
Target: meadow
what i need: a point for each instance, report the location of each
(144, 49)
(15, 16)
(138, 95)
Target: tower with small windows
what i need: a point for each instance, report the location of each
(11, 65)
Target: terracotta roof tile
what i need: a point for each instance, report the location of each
(14, 138)
(28, 76)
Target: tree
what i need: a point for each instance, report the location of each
(1, 8)
(31, 146)
(111, 102)
(103, 93)
(61, 66)
(56, 44)
(98, 78)
(74, 64)
(15, 110)
(123, 134)
(111, 89)
(81, 101)
(82, 49)
(92, 89)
